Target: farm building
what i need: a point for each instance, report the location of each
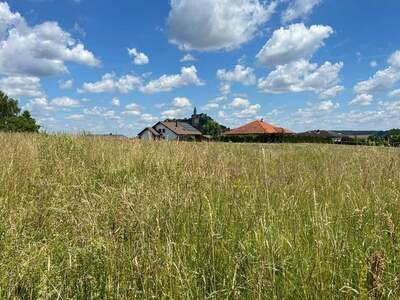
(172, 131)
(258, 127)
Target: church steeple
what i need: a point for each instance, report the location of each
(195, 111)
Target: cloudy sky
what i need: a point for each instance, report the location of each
(117, 66)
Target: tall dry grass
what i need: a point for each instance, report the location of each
(87, 218)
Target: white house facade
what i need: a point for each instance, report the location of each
(165, 132)
(171, 131)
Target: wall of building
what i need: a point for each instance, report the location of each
(146, 135)
(168, 135)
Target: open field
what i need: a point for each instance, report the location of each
(87, 218)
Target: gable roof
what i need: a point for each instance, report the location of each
(152, 130)
(180, 128)
(257, 127)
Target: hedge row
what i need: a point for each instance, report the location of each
(274, 138)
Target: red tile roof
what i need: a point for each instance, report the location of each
(257, 127)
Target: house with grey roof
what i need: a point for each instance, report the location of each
(336, 137)
(171, 131)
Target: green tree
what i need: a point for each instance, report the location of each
(8, 107)
(10, 118)
(212, 128)
(394, 136)
(391, 137)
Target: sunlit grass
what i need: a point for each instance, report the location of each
(90, 218)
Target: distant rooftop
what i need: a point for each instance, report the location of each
(320, 133)
(257, 127)
(181, 128)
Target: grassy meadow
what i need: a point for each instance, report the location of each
(87, 218)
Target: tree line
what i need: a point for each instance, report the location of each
(387, 138)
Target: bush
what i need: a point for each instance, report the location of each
(388, 138)
(274, 138)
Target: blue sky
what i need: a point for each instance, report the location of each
(103, 67)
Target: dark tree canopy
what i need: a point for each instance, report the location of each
(8, 107)
(212, 128)
(389, 138)
(204, 123)
(10, 118)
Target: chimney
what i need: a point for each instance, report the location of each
(176, 123)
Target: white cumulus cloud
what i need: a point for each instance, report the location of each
(210, 106)
(139, 58)
(240, 74)
(394, 93)
(327, 105)
(248, 112)
(167, 83)
(293, 43)
(182, 102)
(382, 80)
(64, 102)
(187, 58)
(314, 113)
(180, 106)
(115, 102)
(132, 109)
(373, 64)
(240, 103)
(301, 76)
(299, 9)
(331, 92)
(20, 86)
(225, 88)
(243, 108)
(109, 83)
(394, 59)
(208, 25)
(75, 117)
(102, 112)
(38, 51)
(363, 99)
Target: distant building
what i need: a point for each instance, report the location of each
(149, 134)
(258, 127)
(171, 131)
(358, 134)
(335, 136)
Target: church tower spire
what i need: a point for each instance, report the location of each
(195, 111)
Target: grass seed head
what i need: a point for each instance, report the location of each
(376, 269)
(391, 229)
